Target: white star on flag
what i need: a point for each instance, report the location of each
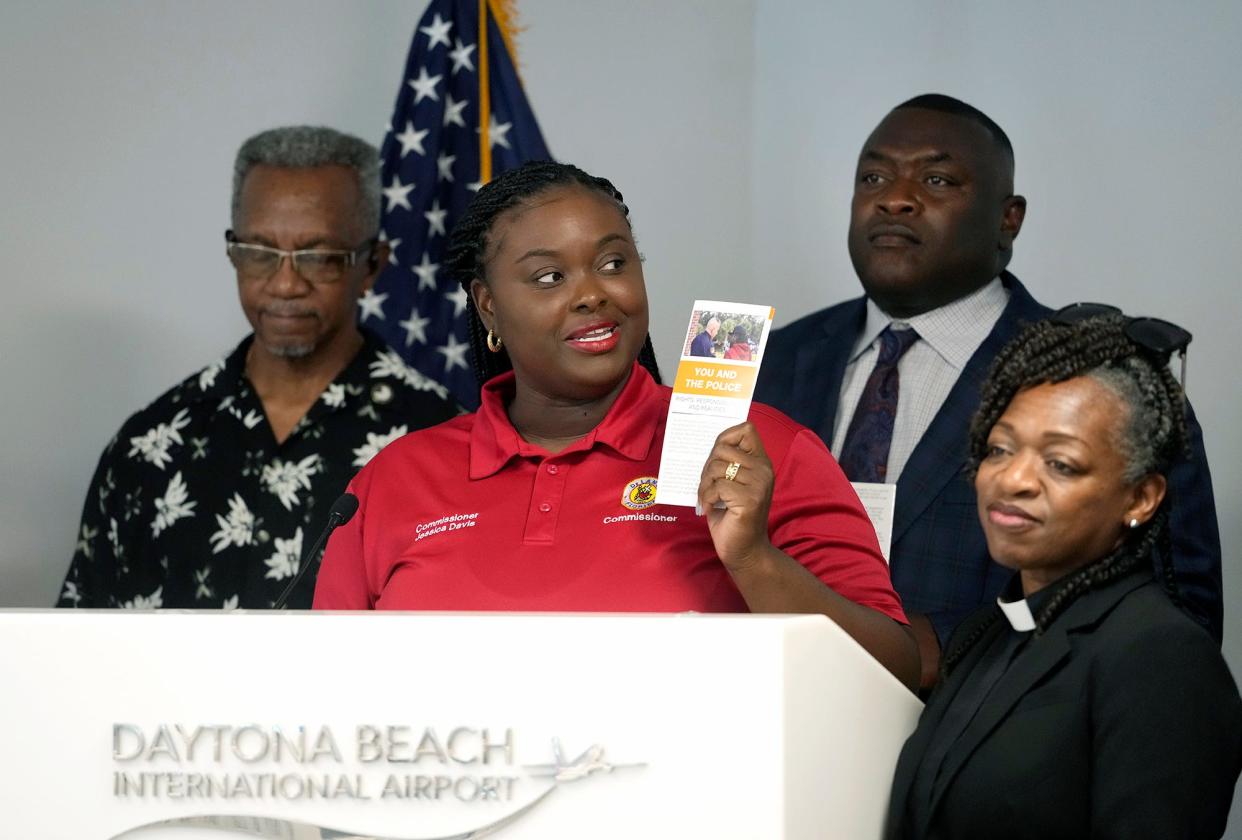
(412, 140)
(426, 271)
(415, 328)
(435, 219)
(454, 353)
(445, 164)
(398, 194)
(425, 86)
(392, 249)
(461, 56)
(371, 304)
(496, 131)
(458, 297)
(437, 31)
(452, 110)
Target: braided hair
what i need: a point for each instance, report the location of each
(469, 240)
(1152, 437)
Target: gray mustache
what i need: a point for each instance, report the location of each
(288, 310)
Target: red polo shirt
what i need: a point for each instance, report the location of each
(468, 516)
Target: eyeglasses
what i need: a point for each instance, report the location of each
(1159, 336)
(256, 263)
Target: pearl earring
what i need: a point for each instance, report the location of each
(1133, 523)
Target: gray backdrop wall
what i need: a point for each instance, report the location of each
(730, 125)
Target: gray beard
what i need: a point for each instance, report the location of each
(290, 351)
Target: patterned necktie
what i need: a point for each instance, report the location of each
(864, 455)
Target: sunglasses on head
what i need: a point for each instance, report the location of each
(1157, 335)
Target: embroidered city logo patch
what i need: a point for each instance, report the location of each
(639, 493)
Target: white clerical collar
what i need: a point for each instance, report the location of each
(1018, 612)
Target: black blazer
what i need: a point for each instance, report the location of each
(939, 559)
(1122, 720)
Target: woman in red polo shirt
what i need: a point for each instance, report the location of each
(543, 499)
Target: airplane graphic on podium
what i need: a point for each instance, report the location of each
(588, 762)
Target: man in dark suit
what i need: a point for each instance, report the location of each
(704, 342)
(932, 226)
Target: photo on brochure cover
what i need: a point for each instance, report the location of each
(724, 335)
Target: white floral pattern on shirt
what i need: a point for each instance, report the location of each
(71, 593)
(287, 557)
(86, 541)
(155, 444)
(237, 529)
(194, 495)
(285, 478)
(389, 363)
(334, 396)
(207, 376)
(203, 590)
(149, 602)
(363, 454)
(174, 505)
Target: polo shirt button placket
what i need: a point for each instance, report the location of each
(545, 502)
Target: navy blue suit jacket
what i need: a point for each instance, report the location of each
(939, 559)
(702, 345)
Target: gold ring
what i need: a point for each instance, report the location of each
(731, 471)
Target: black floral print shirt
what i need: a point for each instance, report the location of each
(194, 504)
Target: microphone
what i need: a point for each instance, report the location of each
(343, 510)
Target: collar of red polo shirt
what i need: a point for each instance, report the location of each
(629, 427)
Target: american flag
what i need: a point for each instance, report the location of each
(460, 118)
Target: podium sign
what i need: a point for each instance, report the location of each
(416, 726)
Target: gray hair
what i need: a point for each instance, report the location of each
(1133, 383)
(304, 146)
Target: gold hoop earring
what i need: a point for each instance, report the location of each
(493, 341)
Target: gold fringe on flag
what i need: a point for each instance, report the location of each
(485, 100)
(504, 12)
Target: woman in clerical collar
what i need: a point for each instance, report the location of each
(1085, 703)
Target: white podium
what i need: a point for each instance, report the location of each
(407, 726)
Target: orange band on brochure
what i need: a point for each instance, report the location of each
(711, 378)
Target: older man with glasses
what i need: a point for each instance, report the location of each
(209, 496)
